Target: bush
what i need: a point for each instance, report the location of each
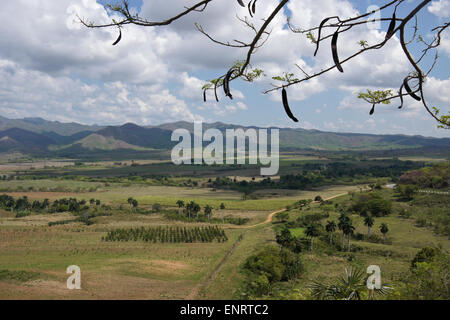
(269, 266)
(18, 275)
(426, 254)
(373, 203)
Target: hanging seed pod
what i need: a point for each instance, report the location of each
(226, 84)
(204, 95)
(254, 6)
(119, 38)
(335, 51)
(215, 91)
(241, 3)
(391, 28)
(372, 110)
(401, 96)
(287, 109)
(320, 33)
(410, 92)
(250, 9)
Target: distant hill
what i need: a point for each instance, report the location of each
(294, 139)
(40, 125)
(96, 141)
(23, 140)
(156, 138)
(36, 135)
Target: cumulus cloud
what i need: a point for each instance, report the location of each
(34, 93)
(53, 67)
(440, 8)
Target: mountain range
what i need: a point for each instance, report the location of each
(39, 136)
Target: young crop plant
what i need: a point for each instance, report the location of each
(168, 235)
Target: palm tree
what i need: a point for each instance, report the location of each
(196, 208)
(348, 287)
(130, 202)
(331, 227)
(369, 221)
(189, 208)
(180, 204)
(134, 203)
(312, 231)
(384, 229)
(343, 220)
(208, 211)
(348, 229)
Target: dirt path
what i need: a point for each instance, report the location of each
(271, 215)
(197, 289)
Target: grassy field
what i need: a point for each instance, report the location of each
(34, 256)
(130, 269)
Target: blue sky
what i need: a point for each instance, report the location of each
(52, 67)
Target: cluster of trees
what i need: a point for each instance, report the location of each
(314, 229)
(24, 205)
(268, 267)
(316, 174)
(168, 234)
(406, 191)
(133, 203)
(192, 208)
(427, 278)
(437, 177)
(372, 203)
(192, 211)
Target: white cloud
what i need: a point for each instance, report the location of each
(440, 8)
(34, 93)
(56, 68)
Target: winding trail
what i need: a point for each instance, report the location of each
(198, 288)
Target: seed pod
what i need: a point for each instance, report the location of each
(119, 38)
(286, 105)
(372, 110)
(410, 92)
(241, 3)
(254, 6)
(320, 32)
(400, 92)
(204, 95)
(215, 91)
(335, 52)
(226, 83)
(391, 28)
(249, 9)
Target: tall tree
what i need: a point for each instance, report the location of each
(348, 229)
(343, 220)
(196, 209)
(384, 229)
(312, 231)
(369, 221)
(180, 204)
(208, 212)
(331, 228)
